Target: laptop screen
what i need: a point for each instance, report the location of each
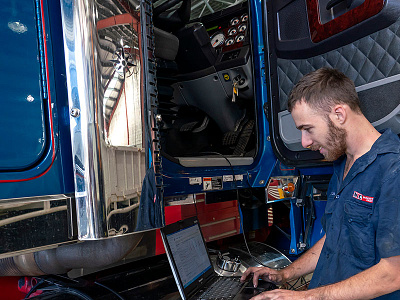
(189, 253)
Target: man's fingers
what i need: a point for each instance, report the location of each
(257, 272)
(244, 276)
(256, 275)
(273, 278)
(263, 296)
(247, 273)
(266, 295)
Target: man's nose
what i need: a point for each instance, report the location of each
(306, 142)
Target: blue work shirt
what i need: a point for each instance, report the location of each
(362, 214)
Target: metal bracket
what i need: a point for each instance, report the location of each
(299, 202)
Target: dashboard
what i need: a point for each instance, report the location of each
(228, 29)
(232, 35)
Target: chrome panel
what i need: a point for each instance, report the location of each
(102, 43)
(260, 253)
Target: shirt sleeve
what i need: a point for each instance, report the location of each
(388, 216)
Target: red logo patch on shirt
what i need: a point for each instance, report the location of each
(361, 197)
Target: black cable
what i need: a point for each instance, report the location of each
(238, 197)
(303, 281)
(292, 286)
(69, 291)
(57, 287)
(109, 289)
(195, 204)
(248, 249)
(33, 289)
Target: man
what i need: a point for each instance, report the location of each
(359, 256)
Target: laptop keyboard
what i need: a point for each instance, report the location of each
(223, 288)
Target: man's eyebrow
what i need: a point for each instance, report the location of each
(300, 127)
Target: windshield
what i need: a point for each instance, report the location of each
(202, 8)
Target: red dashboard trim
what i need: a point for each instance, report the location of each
(320, 32)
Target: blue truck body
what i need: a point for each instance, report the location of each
(113, 109)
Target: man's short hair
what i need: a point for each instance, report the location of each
(324, 88)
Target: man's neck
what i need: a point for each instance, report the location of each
(361, 135)
(349, 163)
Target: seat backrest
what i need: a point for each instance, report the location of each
(166, 44)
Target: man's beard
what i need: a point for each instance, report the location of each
(335, 142)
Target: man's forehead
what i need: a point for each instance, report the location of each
(301, 104)
(305, 116)
(301, 109)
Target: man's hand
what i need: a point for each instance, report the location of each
(301, 266)
(360, 286)
(264, 273)
(281, 295)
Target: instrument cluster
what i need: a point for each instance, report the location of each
(233, 34)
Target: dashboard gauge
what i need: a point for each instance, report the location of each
(239, 38)
(229, 41)
(232, 31)
(235, 21)
(217, 39)
(242, 27)
(244, 18)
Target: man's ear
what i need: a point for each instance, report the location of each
(340, 114)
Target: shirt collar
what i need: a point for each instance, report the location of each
(388, 142)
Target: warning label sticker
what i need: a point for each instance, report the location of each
(228, 178)
(195, 180)
(212, 183)
(239, 177)
(216, 183)
(207, 185)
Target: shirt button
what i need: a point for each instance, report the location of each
(337, 197)
(327, 255)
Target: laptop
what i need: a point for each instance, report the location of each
(192, 268)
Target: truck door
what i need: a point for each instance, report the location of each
(361, 39)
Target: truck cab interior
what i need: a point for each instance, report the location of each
(205, 70)
(205, 81)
